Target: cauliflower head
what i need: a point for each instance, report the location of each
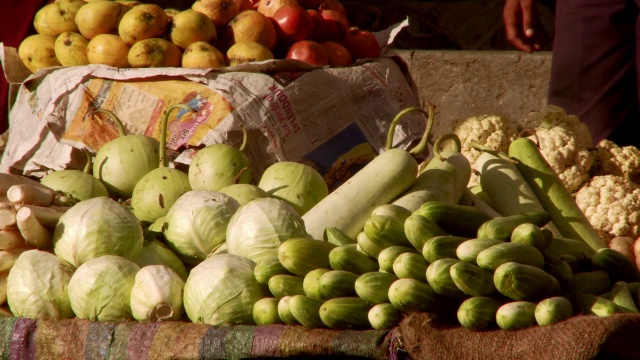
(612, 205)
(611, 159)
(492, 131)
(565, 142)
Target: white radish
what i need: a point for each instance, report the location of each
(7, 216)
(11, 239)
(48, 216)
(34, 233)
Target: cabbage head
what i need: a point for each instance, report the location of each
(96, 227)
(258, 228)
(100, 289)
(37, 286)
(221, 290)
(156, 253)
(196, 223)
(157, 294)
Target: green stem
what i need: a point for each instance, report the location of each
(457, 145)
(499, 154)
(87, 166)
(244, 139)
(162, 154)
(429, 124)
(113, 117)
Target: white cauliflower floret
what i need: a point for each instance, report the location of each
(490, 131)
(611, 159)
(612, 205)
(565, 142)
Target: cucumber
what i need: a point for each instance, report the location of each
(524, 282)
(366, 246)
(560, 246)
(589, 282)
(478, 312)
(574, 264)
(532, 234)
(374, 287)
(285, 313)
(384, 316)
(501, 227)
(387, 256)
(444, 178)
(352, 260)
(345, 313)
(301, 255)
(496, 255)
(619, 267)
(479, 202)
(268, 267)
(440, 279)
(455, 219)
(395, 211)
(349, 206)
(553, 310)
(441, 247)
(306, 311)
(265, 311)
(411, 295)
(589, 304)
(337, 237)
(311, 283)
(336, 283)
(634, 289)
(621, 295)
(385, 231)
(285, 285)
(410, 265)
(468, 250)
(554, 197)
(516, 315)
(472, 280)
(419, 229)
(559, 269)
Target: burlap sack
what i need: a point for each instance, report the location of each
(425, 336)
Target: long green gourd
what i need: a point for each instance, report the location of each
(552, 194)
(388, 175)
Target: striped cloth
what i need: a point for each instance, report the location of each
(82, 339)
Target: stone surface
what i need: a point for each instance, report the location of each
(462, 84)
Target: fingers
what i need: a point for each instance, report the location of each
(518, 20)
(528, 24)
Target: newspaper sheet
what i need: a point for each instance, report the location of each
(289, 110)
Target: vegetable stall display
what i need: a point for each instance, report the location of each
(376, 249)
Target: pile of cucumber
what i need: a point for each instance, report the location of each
(508, 272)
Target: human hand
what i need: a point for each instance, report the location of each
(522, 25)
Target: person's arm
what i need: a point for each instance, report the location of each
(521, 25)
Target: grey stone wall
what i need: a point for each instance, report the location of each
(468, 83)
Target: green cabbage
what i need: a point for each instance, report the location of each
(96, 227)
(197, 223)
(156, 253)
(100, 289)
(157, 294)
(37, 286)
(221, 290)
(258, 228)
